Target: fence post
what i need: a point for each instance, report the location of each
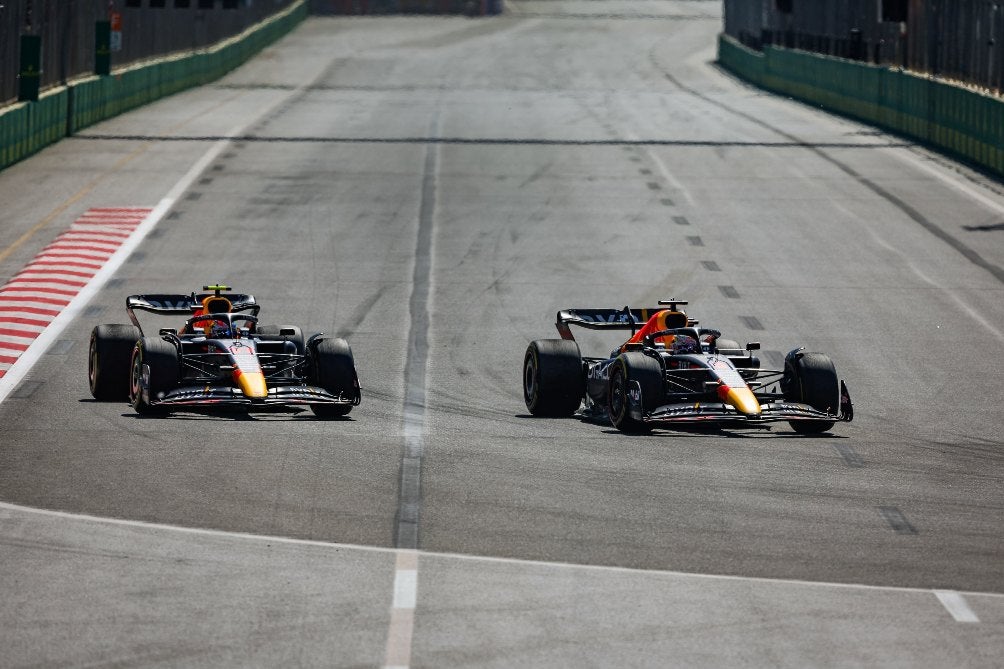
(31, 68)
(102, 47)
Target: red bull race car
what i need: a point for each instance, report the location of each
(220, 357)
(670, 372)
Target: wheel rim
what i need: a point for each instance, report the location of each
(137, 374)
(92, 364)
(529, 379)
(617, 399)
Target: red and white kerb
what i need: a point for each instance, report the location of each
(38, 293)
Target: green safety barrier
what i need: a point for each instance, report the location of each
(962, 122)
(27, 127)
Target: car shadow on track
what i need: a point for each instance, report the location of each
(230, 414)
(764, 431)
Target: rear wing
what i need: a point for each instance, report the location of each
(607, 319)
(184, 305)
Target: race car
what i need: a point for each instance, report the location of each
(220, 357)
(670, 372)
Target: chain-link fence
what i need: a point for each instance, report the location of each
(961, 40)
(148, 28)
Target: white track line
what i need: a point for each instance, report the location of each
(957, 606)
(75, 308)
(264, 538)
(402, 612)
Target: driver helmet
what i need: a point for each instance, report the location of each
(685, 344)
(219, 329)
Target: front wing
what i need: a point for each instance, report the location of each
(697, 412)
(772, 410)
(194, 396)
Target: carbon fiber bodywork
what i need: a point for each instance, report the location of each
(647, 382)
(221, 357)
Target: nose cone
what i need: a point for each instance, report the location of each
(741, 399)
(252, 384)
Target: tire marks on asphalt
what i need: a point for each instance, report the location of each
(407, 535)
(409, 508)
(896, 520)
(909, 211)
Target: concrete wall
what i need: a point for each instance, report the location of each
(964, 123)
(27, 127)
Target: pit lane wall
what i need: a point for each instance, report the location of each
(27, 127)
(965, 123)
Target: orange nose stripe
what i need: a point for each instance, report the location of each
(742, 399)
(252, 384)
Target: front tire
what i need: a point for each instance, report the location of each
(161, 357)
(108, 358)
(810, 378)
(335, 370)
(647, 371)
(553, 379)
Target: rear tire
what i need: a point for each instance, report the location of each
(335, 371)
(162, 359)
(810, 378)
(729, 347)
(553, 379)
(108, 358)
(634, 366)
(271, 333)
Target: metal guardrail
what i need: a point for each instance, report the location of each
(149, 28)
(961, 40)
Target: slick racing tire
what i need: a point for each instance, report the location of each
(634, 366)
(271, 333)
(729, 347)
(745, 362)
(554, 382)
(810, 378)
(162, 359)
(335, 371)
(108, 358)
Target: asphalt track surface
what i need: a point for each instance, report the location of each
(434, 190)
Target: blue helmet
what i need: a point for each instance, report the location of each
(685, 344)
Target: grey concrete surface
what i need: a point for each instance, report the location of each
(500, 170)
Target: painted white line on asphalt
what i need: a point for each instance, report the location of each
(76, 306)
(106, 270)
(928, 165)
(264, 538)
(971, 311)
(663, 169)
(402, 612)
(405, 588)
(957, 606)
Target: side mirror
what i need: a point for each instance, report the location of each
(753, 346)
